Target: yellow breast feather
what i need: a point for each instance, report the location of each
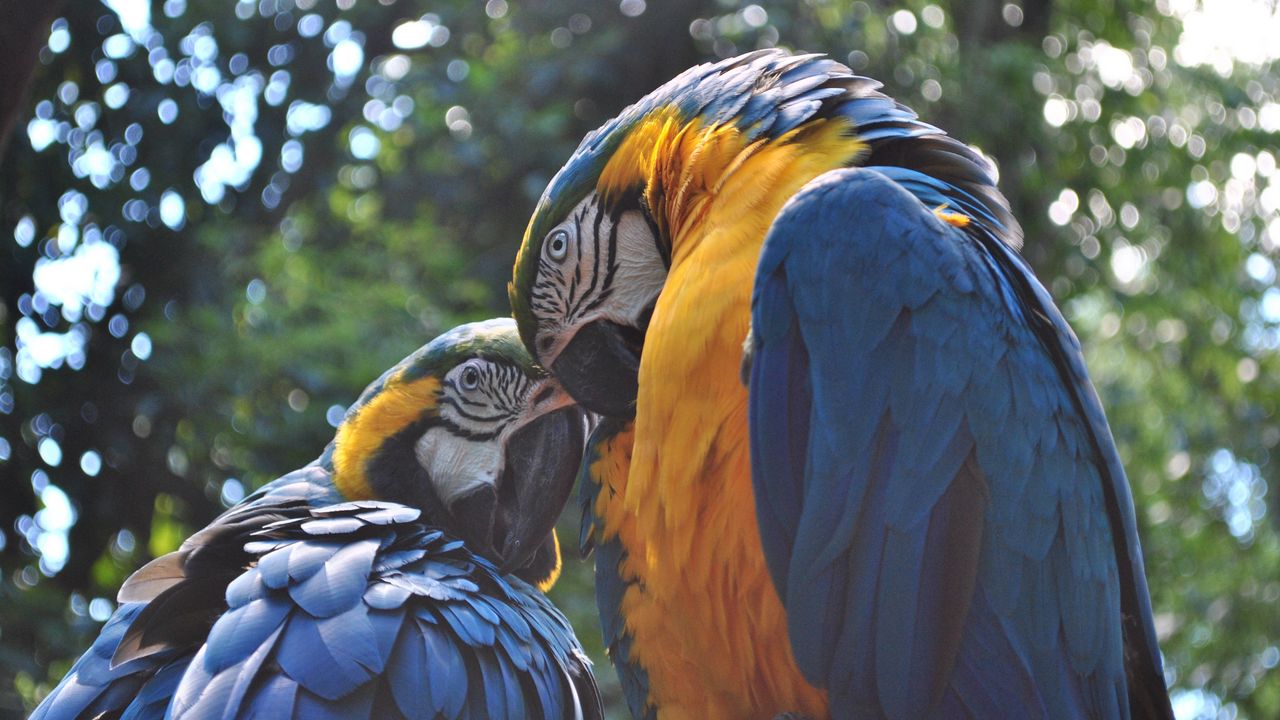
(686, 513)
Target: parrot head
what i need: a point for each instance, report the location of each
(599, 272)
(718, 151)
(593, 261)
(473, 432)
(600, 245)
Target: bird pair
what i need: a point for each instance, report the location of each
(912, 508)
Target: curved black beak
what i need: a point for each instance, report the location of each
(542, 460)
(600, 368)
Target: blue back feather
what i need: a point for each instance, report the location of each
(342, 611)
(956, 538)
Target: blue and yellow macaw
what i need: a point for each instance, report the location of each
(915, 508)
(388, 579)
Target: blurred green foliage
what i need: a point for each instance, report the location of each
(222, 219)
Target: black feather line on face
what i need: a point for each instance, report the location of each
(394, 473)
(460, 397)
(611, 265)
(393, 470)
(514, 385)
(595, 253)
(573, 306)
(554, 275)
(578, 250)
(662, 244)
(549, 299)
(500, 388)
(503, 419)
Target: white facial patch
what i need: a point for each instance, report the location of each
(611, 270)
(641, 271)
(458, 465)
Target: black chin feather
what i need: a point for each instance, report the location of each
(395, 475)
(542, 566)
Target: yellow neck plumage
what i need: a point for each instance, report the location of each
(687, 167)
(683, 507)
(397, 406)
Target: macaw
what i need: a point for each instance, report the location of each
(914, 508)
(391, 578)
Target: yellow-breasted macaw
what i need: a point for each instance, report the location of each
(915, 508)
(388, 579)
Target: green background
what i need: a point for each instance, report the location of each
(318, 200)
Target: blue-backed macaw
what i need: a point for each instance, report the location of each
(390, 578)
(914, 508)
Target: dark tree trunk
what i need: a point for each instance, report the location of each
(994, 90)
(980, 23)
(24, 29)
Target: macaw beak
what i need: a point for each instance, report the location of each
(513, 524)
(542, 460)
(510, 523)
(600, 367)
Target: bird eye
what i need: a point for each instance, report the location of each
(558, 245)
(470, 378)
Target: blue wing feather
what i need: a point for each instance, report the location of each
(455, 650)
(274, 698)
(939, 498)
(610, 584)
(153, 698)
(779, 509)
(92, 674)
(412, 695)
(241, 631)
(396, 621)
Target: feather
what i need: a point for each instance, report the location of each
(152, 579)
(405, 675)
(339, 582)
(948, 550)
(240, 631)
